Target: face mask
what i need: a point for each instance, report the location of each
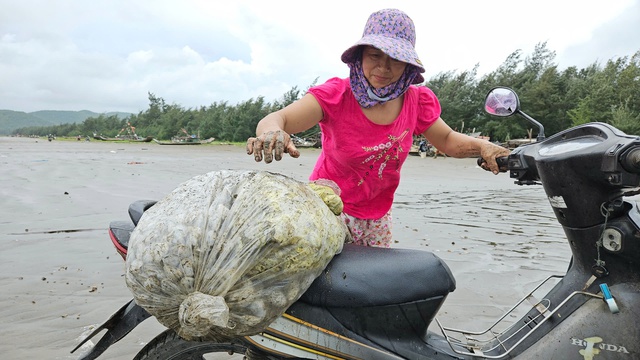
(368, 96)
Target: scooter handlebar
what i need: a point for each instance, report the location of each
(502, 161)
(631, 161)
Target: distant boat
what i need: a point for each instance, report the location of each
(130, 138)
(304, 142)
(184, 140)
(127, 133)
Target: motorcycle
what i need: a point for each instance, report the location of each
(373, 303)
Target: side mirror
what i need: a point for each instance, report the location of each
(502, 101)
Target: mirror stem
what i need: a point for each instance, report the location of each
(535, 122)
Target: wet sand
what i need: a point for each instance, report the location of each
(60, 275)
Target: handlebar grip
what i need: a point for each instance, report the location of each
(502, 161)
(631, 161)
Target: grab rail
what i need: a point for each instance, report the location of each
(477, 348)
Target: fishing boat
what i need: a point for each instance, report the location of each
(186, 139)
(303, 142)
(123, 138)
(127, 133)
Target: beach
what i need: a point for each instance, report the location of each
(60, 275)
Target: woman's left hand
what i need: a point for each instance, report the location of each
(489, 152)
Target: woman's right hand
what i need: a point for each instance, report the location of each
(270, 145)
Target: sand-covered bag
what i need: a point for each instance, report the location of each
(227, 252)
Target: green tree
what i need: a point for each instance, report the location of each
(625, 119)
(458, 96)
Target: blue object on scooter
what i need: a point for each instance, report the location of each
(611, 302)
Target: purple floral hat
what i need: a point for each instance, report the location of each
(393, 32)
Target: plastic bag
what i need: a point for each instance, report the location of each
(227, 252)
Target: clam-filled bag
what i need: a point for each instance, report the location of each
(227, 252)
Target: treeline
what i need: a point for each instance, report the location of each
(162, 120)
(558, 99)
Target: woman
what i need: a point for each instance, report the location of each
(368, 121)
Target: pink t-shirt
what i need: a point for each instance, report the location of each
(364, 158)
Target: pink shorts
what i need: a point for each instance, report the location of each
(370, 232)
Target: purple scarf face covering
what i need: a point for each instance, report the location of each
(369, 96)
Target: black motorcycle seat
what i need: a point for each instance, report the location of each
(122, 230)
(371, 276)
(137, 208)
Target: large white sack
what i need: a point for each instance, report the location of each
(228, 251)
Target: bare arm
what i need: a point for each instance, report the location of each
(460, 145)
(272, 133)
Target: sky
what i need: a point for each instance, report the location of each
(108, 55)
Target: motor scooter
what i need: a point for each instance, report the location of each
(373, 303)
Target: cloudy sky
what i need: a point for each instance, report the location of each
(107, 55)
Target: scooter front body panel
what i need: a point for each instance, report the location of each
(593, 332)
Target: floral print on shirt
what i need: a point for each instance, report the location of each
(382, 154)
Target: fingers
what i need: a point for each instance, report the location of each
(490, 152)
(249, 146)
(484, 165)
(267, 146)
(278, 145)
(493, 166)
(292, 150)
(271, 145)
(254, 146)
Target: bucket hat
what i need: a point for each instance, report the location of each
(393, 32)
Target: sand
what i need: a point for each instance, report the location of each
(60, 275)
